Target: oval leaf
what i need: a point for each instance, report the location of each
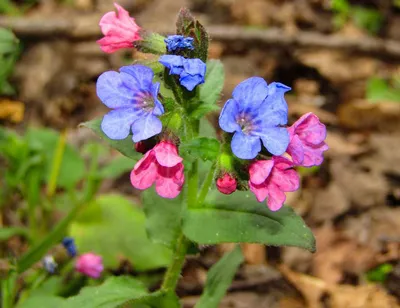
(240, 218)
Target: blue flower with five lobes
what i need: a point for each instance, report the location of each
(256, 113)
(132, 96)
(191, 71)
(175, 42)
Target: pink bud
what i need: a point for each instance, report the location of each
(120, 30)
(141, 147)
(226, 184)
(90, 265)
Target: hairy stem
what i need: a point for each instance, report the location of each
(206, 185)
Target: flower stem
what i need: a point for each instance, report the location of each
(206, 185)
(174, 271)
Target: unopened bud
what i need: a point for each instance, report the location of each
(226, 184)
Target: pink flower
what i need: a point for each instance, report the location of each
(90, 265)
(120, 31)
(307, 144)
(271, 179)
(226, 184)
(161, 165)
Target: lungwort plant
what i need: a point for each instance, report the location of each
(198, 187)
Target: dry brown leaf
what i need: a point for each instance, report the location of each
(368, 296)
(338, 66)
(310, 287)
(254, 253)
(361, 115)
(12, 111)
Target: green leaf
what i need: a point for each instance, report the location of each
(116, 168)
(6, 233)
(378, 89)
(163, 217)
(114, 228)
(240, 218)
(219, 278)
(126, 146)
(72, 168)
(379, 273)
(210, 91)
(112, 293)
(202, 147)
(206, 128)
(368, 19)
(157, 299)
(43, 301)
(8, 42)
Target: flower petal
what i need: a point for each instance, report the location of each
(137, 77)
(117, 123)
(259, 190)
(276, 197)
(275, 100)
(167, 154)
(145, 172)
(287, 180)
(295, 150)
(275, 139)
(245, 146)
(158, 107)
(250, 92)
(145, 127)
(112, 92)
(227, 118)
(190, 81)
(174, 63)
(260, 170)
(309, 129)
(169, 181)
(313, 154)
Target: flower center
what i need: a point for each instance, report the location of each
(245, 123)
(145, 101)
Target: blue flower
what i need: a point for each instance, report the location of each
(132, 96)
(255, 112)
(69, 245)
(175, 42)
(191, 71)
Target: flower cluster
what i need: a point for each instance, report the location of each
(254, 120)
(258, 112)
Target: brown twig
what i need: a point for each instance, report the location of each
(85, 27)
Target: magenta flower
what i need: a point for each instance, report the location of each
(163, 166)
(90, 265)
(307, 144)
(271, 179)
(120, 30)
(226, 184)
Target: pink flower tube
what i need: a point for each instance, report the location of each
(120, 30)
(163, 166)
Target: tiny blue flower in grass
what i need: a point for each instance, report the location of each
(191, 71)
(175, 42)
(254, 114)
(49, 264)
(132, 96)
(69, 245)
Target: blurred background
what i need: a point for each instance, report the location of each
(342, 60)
